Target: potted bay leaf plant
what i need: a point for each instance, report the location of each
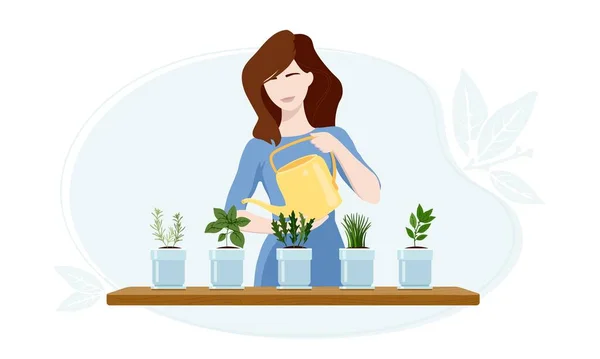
(168, 261)
(227, 261)
(356, 259)
(414, 262)
(294, 259)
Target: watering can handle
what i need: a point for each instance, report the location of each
(333, 165)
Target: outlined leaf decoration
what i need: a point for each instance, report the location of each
(501, 130)
(88, 288)
(80, 280)
(514, 188)
(469, 112)
(79, 300)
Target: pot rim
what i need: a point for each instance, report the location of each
(226, 254)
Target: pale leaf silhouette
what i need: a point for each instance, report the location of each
(501, 130)
(513, 188)
(78, 300)
(80, 280)
(469, 112)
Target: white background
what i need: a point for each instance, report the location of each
(61, 60)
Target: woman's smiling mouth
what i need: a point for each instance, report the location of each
(288, 99)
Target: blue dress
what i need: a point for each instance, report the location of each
(324, 240)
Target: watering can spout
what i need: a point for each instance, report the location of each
(306, 186)
(276, 210)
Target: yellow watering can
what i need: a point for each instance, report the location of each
(306, 185)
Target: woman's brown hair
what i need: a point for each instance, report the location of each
(274, 56)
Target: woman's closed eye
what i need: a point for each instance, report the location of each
(292, 74)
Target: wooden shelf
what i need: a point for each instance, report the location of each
(146, 296)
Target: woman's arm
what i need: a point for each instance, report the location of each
(363, 181)
(257, 223)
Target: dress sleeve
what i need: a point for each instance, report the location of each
(247, 177)
(345, 139)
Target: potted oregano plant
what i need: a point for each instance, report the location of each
(168, 261)
(356, 259)
(227, 261)
(414, 262)
(294, 259)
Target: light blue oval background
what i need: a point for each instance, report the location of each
(175, 142)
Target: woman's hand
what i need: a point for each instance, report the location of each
(319, 222)
(326, 142)
(362, 180)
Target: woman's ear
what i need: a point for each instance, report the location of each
(310, 78)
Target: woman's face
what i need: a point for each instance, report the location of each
(289, 88)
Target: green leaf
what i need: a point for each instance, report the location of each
(212, 227)
(221, 223)
(237, 238)
(233, 227)
(219, 213)
(283, 224)
(242, 221)
(222, 237)
(421, 237)
(429, 219)
(277, 231)
(426, 214)
(232, 214)
(410, 233)
(423, 228)
(413, 220)
(293, 227)
(420, 213)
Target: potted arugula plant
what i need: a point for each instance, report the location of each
(414, 262)
(294, 259)
(227, 261)
(168, 261)
(357, 259)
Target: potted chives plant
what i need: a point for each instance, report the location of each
(357, 259)
(414, 262)
(168, 261)
(227, 261)
(293, 260)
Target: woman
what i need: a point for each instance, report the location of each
(294, 94)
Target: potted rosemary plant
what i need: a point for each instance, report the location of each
(294, 259)
(227, 261)
(168, 261)
(357, 259)
(414, 262)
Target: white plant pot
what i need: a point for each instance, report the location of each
(357, 268)
(168, 268)
(414, 268)
(293, 268)
(226, 268)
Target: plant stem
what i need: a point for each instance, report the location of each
(227, 238)
(416, 231)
